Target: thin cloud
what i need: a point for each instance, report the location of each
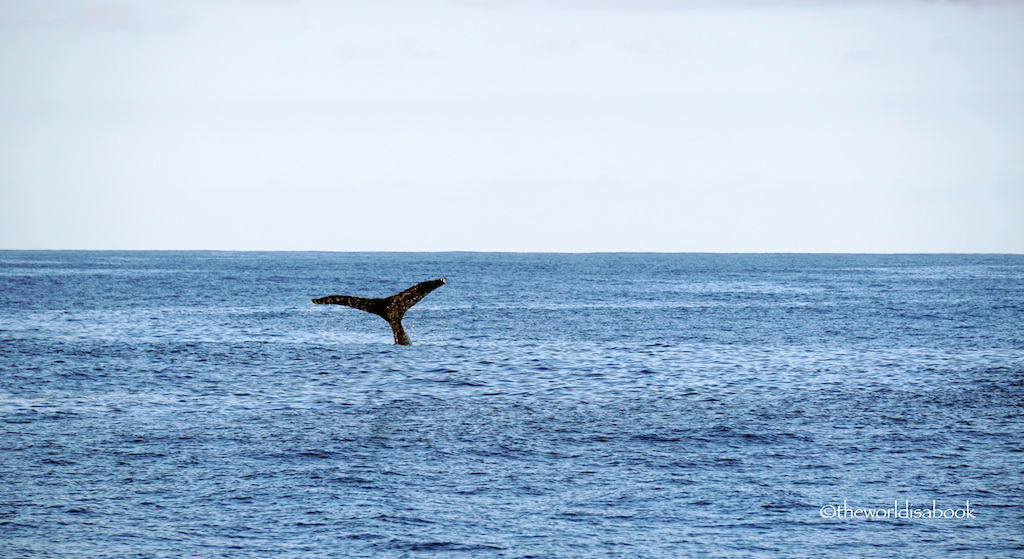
(119, 17)
(95, 16)
(653, 5)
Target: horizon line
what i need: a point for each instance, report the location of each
(566, 252)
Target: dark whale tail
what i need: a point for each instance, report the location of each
(391, 309)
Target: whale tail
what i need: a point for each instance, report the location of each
(391, 309)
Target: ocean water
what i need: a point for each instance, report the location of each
(197, 404)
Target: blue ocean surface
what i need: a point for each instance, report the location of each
(197, 404)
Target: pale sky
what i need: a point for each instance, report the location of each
(513, 125)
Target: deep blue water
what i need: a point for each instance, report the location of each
(197, 404)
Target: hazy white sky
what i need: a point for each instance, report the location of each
(572, 125)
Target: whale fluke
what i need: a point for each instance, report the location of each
(391, 309)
